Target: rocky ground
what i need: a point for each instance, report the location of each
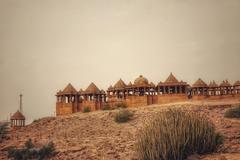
(95, 135)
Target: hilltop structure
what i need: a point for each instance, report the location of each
(70, 100)
(141, 93)
(18, 119)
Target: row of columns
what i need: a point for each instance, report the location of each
(67, 98)
(141, 91)
(171, 89)
(215, 91)
(199, 91)
(78, 98)
(17, 123)
(95, 97)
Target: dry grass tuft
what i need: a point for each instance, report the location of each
(176, 134)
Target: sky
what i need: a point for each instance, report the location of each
(46, 44)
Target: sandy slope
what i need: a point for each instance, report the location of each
(96, 136)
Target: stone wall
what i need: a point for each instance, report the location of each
(171, 98)
(237, 95)
(217, 97)
(64, 108)
(136, 101)
(90, 104)
(220, 97)
(93, 105)
(198, 97)
(113, 101)
(152, 99)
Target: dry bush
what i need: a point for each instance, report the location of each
(120, 105)
(29, 151)
(86, 109)
(233, 112)
(3, 131)
(106, 107)
(122, 116)
(176, 134)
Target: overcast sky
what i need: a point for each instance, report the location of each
(45, 44)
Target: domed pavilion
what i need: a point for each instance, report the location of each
(213, 89)
(118, 90)
(225, 88)
(236, 87)
(141, 87)
(172, 86)
(68, 95)
(199, 88)
(93, 93)
(17, 120)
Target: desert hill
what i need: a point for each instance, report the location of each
(96, 135)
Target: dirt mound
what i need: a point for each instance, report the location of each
(97, 136)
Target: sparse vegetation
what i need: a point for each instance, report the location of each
(3, 131)
(106, 107)
(31, 152)
(123, 115)
(176, 134)
(120, 105)
(86, 109)
(233, 112)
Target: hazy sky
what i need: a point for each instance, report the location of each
(45, 44)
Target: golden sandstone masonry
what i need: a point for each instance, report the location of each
(142, 93)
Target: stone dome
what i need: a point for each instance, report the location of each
(141, 81)
(92, 89)
(18, 116)
(199, 84)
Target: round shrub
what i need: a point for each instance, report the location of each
(176, 134)
(106, 107)
(121, 105)
(86, 109)
(233, 112)
(123, 115)
(3, 131)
